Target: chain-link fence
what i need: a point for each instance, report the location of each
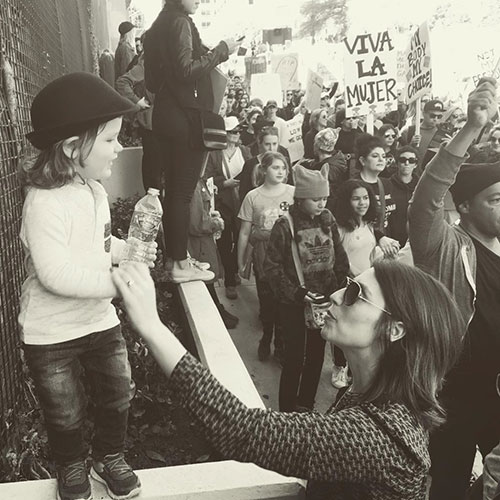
(39, 41)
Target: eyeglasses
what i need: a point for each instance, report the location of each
(352, 293)
(434, 115)
(404, 160)
(495, 139)
(390, 136)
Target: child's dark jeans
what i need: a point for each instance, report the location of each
(57, 372)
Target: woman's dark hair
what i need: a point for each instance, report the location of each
(314, 118)
(411, 370)
(384, 128)
(365, 144)
(344, 213)
(406, 149)
(52, 168)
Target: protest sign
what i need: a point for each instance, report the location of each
(295, 145)
(266, 86)
(287, 66)
(487, 66)
(418, 65)
(314, 88)
(370, 70)
(255, 65)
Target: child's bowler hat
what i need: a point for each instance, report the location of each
(72, 104)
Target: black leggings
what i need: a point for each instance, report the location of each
(152, 162)
(182, 171)
(228, 249)
(304, 353)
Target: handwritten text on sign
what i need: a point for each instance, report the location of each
(370, 68)
(418, 65)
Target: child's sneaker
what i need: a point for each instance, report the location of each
(73, 482)
(339, 376)
(120, 480)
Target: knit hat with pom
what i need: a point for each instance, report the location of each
(311, 183)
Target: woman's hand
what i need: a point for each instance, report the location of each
(415, 140)
(136, 287)
(389, 247)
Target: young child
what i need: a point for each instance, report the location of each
(68, 324)
(259, 211)
(324, 266)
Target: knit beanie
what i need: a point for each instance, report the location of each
(71, 105)
(325, 140)
(311, 183)
(472, 179)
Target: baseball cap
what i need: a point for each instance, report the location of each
(434, 105)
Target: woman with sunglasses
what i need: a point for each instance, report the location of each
(388, 133)
(372, 443)
(488, 152)
(403, 183)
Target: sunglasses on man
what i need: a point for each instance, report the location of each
(353, 292)
(405, 159)
(436, 115)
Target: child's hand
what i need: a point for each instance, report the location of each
(151, 253)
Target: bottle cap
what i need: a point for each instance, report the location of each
(154, 191)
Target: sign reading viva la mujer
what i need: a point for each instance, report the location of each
(370, 71)
(418, 65)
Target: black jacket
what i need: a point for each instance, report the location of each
(177, 69)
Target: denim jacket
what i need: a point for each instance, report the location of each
(446, 252)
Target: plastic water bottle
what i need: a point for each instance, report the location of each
(144, 226)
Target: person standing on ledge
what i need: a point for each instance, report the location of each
(177, 70)
(125, 51)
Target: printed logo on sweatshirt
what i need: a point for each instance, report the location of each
(107, 237)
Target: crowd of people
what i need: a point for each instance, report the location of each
(382, 245)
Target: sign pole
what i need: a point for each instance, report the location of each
(418, 115)
(370, 123)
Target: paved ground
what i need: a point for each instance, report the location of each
(246, 338)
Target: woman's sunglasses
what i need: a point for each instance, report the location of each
(352, 293)
(404, 160)
(390, 136)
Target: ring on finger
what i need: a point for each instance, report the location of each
(130, 283)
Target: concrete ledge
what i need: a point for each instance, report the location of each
(214, 344)
(211, 481)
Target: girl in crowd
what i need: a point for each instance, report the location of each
(323, 263)
(372, 443)
(267, 141)
(371, 161)
(317, 122)
(388, 133)
(67, 320)
(403, 184)
(259, 211)
(355, 212)
(247, 135)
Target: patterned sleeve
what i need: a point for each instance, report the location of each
(347, 445)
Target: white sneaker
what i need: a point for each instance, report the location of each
(190, 273)
(339, 376)
(204, 266)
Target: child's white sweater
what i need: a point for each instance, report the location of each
(66, 233)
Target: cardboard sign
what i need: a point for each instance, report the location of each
(418, 65)
(488, 67)
(266, 86)
(287, 66)
(295, 145)
(370, 69)
(255, 65)
(314, 88)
